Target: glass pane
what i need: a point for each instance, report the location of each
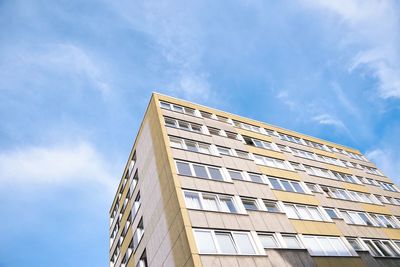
(354, 243)
(332, 213)
(291, 211)
(225, 243)
(178, 108)
(304, 214)
(235, 175)
(256, 178)
(249, 204)
(191, 146)
(183, 125)
(165, 105)
(215, 173)
(275, 184)
(327, 246)
(210, 202)
(224, 151)
(192, 200)
(382, 248)
(227, 204)
(315, 215)
(340, 247)
(268, 241)
(313, 246)
(200, 171)
(183, 168)
(244, 244)
(297, 187)
(204, 242)
(169, 122)
(176, 143)
(374, 251)
(291, 241)
(271, 206)
(203, 148)
(390, 247)
(287, 186)
(196, 127)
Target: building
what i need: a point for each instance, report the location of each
(203, 187)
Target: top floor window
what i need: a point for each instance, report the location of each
(177, 108)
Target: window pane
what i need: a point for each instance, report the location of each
(203, 148)
(225, 243)
(297, 187)
(210, 202)
(291, 211)
(332, 213)
(200, 171)
(244, 243)
(255, 178)
(191, 146)
(340, 247)
(327, 246)
(291, 241)
(249, 204)
(235, 175)
(271, 206)
(268, 241)
(169, 122)
(304, 214)
(175, 142)
(313, 246)
(165, 105)
(215, 173)
(374, 251)
(196, 127)
(183, 168)
(183, 125)
(192, 200)
(227, 204)
(204, 242)
(287, 186)
(224, 151)
(275, 184)
(315, 215)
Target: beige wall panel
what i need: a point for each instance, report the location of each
(319, 180)
(229, 188)
(218, 124)
(252, 166)
(198, 218)
(338, 261)
(290, 157)
(277, 222)
(257, 221)
(220, 140)
(179, 154)
(244, 222)
(230, 221)
(217, 187)
(342, 204)
(187, 182)
(377, 177)
(395, 210)
(375, 189)
(276, 258)
(257, 190)
(208, 260)
(338, 168)
(214, 219)
(262, 262)
(392, 233)
(236, 144)
(229, 261)
(312, 163)
(202, 184)
(242, 189)
(267, 193)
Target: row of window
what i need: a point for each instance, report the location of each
(211, 241)
(261, 130)
(201, 147)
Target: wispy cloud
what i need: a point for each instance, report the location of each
(74, 163)
(373, 26)
(327, 119)
(284, 97)
(173, 27)
(387, 160)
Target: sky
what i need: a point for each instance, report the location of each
(76, 77)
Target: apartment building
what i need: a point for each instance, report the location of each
(203, 187)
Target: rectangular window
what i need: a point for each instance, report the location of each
(332, 213)
(235, 175)
(206, 201)
(286, 185)
(205, 242)
(355, 244)
(184, 125)
(271, 206)
(192, 200)
(184, 168)
(325, 246)
(303, 212)
(256, 178)
(291, 241)
(250, 204)
(224, 151)
(225, 242)
(268, 240)
(201, 171)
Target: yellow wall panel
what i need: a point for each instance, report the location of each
(315, 228)
(392, 233)
(356, 187)
(375, 208)
(279, 173)
(338, 261)
(295, 197)
(265, 152)
(338, 169)
(325, 153)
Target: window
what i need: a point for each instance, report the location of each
(235, 175)
(258, 143)
(389, 187)
(332, 213)
(201, 171)
(190, 145)
(271, 162)
(242, 154)
(297, 166)
(224, 242)
(206, 114)
(205, 242)
(224, 151)
(303, 212)
(286, 185)
(250, 204)
(256, 178)
(318, 171)
(206, 201)
(137, 236)
(313, 188)
(325, 246)
(143, 260)
(382, 248)
(271, 206)
(183, 168)
(184, 125)
(268, 240)
(222, 118)
(214, 131)
(231, 135)
(291, 241)
(355, 244)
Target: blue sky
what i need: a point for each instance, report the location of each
(76, 76)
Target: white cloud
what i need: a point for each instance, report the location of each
(327, 119)
(76, 163)
(372, 26)
(285, 98)
(387, 161)
(179, 36)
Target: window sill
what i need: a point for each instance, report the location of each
(223, 212)
(307, 194)
(197, 152)
(207, 179)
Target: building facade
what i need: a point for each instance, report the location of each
(203, 187)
